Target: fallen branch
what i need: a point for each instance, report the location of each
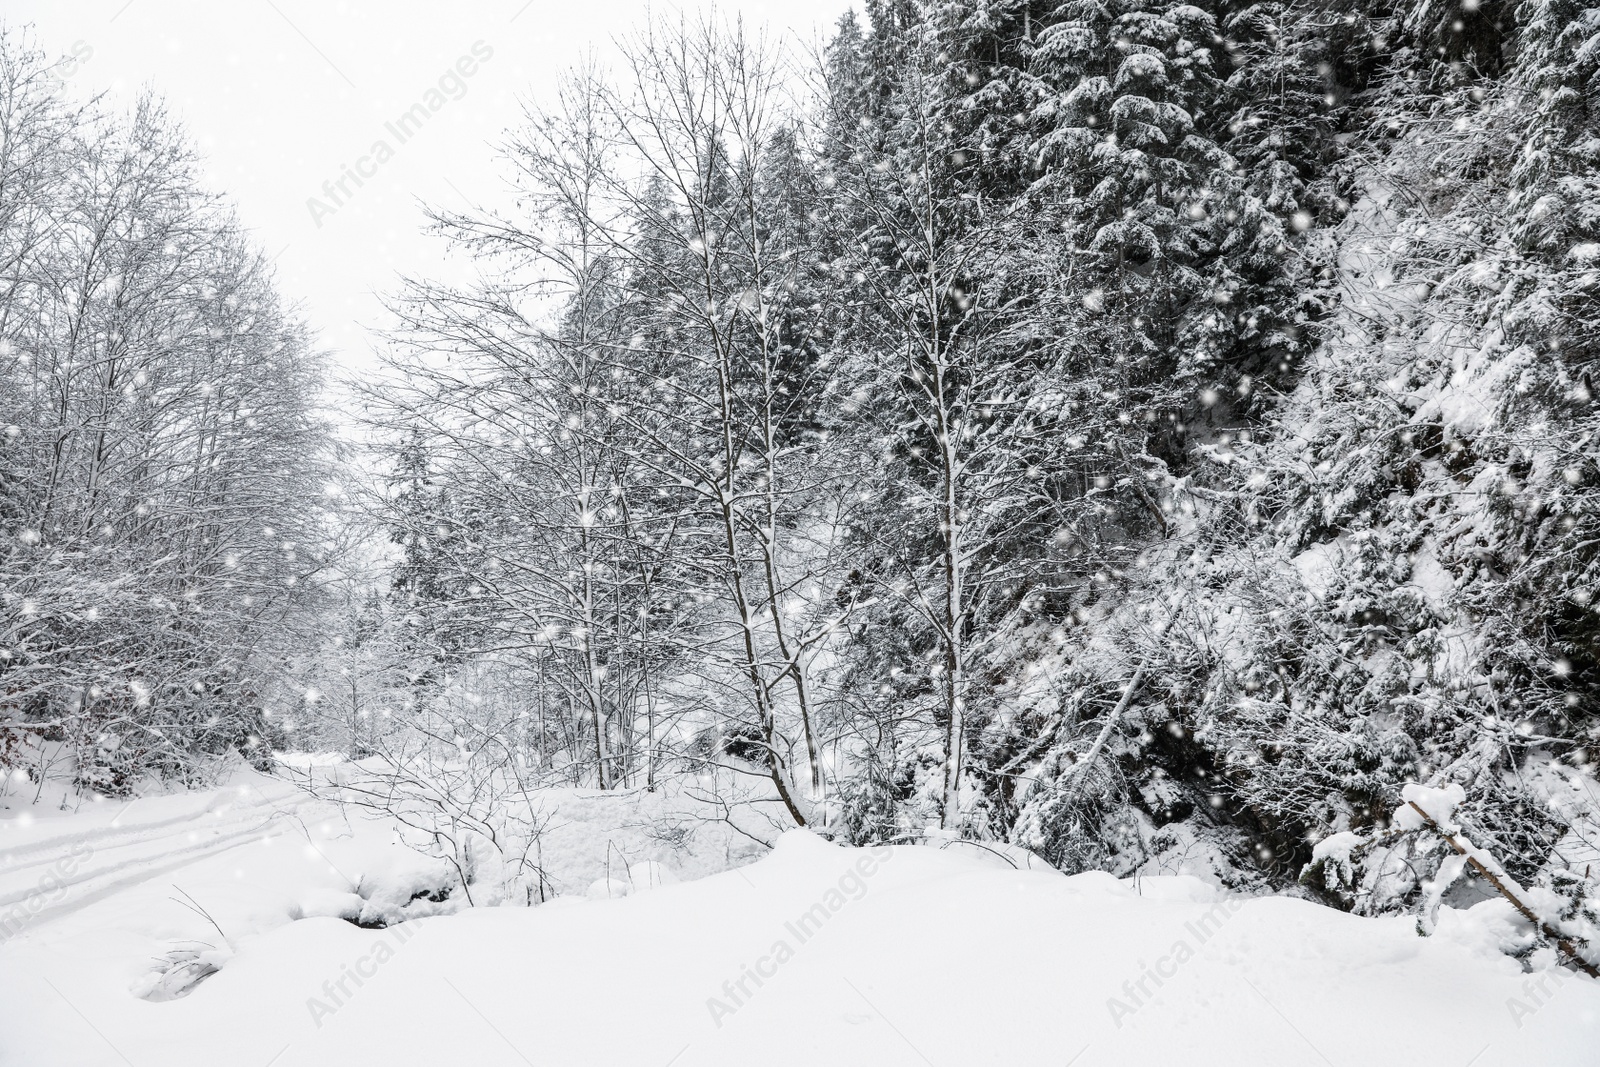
(1561, 940)
(1087, 763)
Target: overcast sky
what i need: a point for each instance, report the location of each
(283, 95)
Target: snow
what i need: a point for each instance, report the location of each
(1336, 847)
(1320, 566)
(637, 878)
(811, 953)
(1438, 802)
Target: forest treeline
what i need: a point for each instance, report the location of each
(1148, 433)
(161, 454)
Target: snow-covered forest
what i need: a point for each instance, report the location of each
(1151, 442)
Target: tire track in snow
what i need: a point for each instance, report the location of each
(80, 888)
(223, 799)
(192, 841)
(114, 828)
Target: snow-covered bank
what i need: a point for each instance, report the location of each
(815, 953)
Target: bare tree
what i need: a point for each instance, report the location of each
(663, 365)
(163, 456)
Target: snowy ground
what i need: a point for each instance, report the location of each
(810, 954)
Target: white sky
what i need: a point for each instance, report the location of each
(281, 95)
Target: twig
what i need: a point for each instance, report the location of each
(194, 906)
